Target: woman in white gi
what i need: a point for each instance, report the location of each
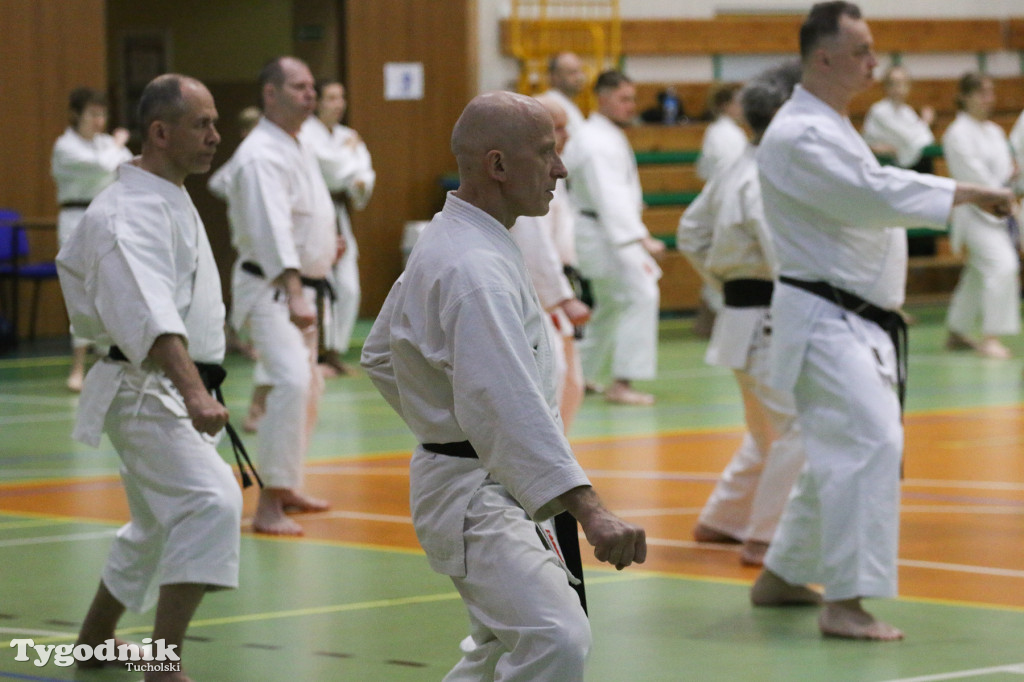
(84, 161)
(725, 235)
(892, 127)
(542, 240)
(348, 171)
(986, 300)
(461, 352)
(138, 274)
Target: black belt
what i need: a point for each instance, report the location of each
(322, 287)
(889, 320)
(566, 527)
(76, 203)
(589, 214)
(748, 293)
(212, 377)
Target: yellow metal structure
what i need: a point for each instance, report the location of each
(540, 29)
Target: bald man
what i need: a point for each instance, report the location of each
(138, 275)
(460, 350)
(548, 245)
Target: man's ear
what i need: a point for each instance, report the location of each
(158, 133)
(495, 165)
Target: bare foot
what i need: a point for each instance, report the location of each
(75, 381)
(270, 517)
(623, 394)
(753, 553)
(94, 663)
(297, 503)
(849, 620)
(957, 341)
(992, 347)
(771, 590)
(702, 533)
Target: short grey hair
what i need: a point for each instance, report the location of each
(161, 100)
(766, 92)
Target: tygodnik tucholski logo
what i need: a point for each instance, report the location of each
(150, 656)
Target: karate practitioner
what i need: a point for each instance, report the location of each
(567, 78)
(892, 127)
(616, 252)
(84, 162)
(830, 206)
(725, 139)
(348, 171)
(138, 274)
(284, 227)
(542, 240)
(725, 235)
(460, 350)
(987, 297)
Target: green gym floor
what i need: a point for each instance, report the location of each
(354, 599)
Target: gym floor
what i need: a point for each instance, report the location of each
(355, 600)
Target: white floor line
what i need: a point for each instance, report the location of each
(962, 509)
(971, 485)
(962, 568)
(44, 539)
(36, 633)
(1017, 668)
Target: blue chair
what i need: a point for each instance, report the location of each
(15, 268)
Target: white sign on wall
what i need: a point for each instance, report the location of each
(403, 80)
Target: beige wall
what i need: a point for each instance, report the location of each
(49, 48)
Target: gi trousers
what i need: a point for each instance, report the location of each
(288, 357)
(840, 527)
(988, 293)
(621, 339)
(749, 498)
(526, 621)
(186, 505)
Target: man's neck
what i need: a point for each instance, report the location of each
(161, 168)
(286, 124)
(836, 98)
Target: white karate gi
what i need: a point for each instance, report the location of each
(988, 293)
(725, 236)
(348, 171)
(535, 238)
(282, 217)
(621, 341)
(724, 142)
(140, 266)
(898, 127)
(81, 169)
(828, 203)
(461, 352)
(1017, 147)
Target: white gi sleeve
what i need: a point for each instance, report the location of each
(376, 355)
(821, 172)
(261, 188)
(695, 233)
(499, 404)
(614, 196)
(135, 284)
(534, 240)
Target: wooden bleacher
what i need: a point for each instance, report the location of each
(666, 154)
